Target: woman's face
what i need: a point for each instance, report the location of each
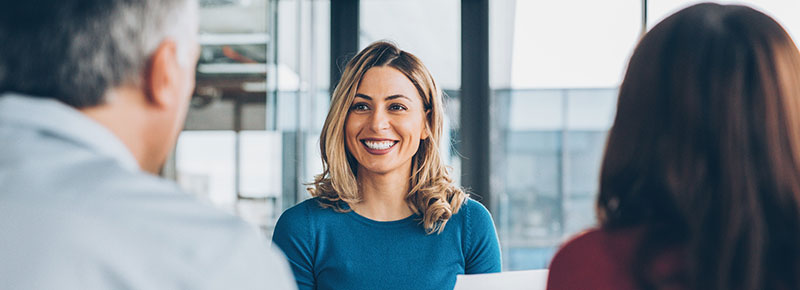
(386, 122)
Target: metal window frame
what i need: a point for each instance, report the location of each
(475, 111)
(344, 36)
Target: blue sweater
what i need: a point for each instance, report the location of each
(331, 250)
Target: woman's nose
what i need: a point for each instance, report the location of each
(378, 121)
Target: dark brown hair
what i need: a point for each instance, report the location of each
(704, 153)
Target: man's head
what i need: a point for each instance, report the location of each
(129, 64)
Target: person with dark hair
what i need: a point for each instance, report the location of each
(700, 183)
(93, 94)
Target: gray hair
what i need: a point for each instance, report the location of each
(76, 50)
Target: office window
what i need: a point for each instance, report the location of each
(299, 105)
(250, 140)
(205, 165)
(555, 69)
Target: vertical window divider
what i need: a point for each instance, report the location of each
(475, 116)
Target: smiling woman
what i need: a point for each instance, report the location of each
(382, 202)
(386, 123)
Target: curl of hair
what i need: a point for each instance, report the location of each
(432, 193)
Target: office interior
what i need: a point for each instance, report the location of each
(530, 95)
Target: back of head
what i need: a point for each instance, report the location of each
(76, 50)
(705, 149)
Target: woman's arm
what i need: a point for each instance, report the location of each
(482, 247)
(293, 235)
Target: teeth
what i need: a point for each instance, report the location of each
(379, 145)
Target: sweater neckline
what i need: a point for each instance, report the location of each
(386, 224)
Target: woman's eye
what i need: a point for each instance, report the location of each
(359, 107)
(397, 107)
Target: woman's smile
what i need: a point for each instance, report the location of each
(378, 146)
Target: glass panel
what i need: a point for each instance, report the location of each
(555, 44)
(555, 72)
(260, 176)
(205, 162)
(301, 98)
(432, 33)
(230, 96)
(261, 96)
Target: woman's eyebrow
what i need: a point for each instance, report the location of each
(398, 96)
(389, 98)
(363, 96)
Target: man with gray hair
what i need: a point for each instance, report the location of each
(94, 94)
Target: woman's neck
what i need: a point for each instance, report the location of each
(383, 195)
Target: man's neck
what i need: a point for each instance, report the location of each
(124, 117)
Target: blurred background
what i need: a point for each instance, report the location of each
(530, 94)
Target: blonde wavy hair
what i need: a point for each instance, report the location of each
(432, 192)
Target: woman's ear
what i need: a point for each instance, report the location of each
(427, 131)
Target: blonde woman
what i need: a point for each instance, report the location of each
(385, 213)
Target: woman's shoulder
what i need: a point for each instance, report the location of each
(480, 245)
(599, 242)
(584, 246)
(310, 208)
(302, 222)
(473, 211)
(305, 213)
(595, 257)
(473, 218)
(474, 205)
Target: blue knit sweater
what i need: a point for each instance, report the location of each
(331, 250)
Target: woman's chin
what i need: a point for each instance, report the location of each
(379, 169)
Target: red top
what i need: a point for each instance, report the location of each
(599, 260)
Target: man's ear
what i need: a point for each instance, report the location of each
(161, 77)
